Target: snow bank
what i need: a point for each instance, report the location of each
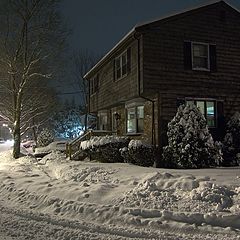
(125, 196)
(54, 146)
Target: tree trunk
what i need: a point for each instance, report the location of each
(16, 126)
(34, 131)
(16, 135)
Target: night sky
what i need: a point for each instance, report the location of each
(99, 24)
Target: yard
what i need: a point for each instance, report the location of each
(60, 199)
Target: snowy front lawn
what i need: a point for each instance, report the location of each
(192, 204)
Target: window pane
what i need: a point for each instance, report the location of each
(210, 114)
(140, 125)
(190, 102)
(200, 105)
(131, 113)
(118, 73)
(200, 50)
(103, 121)
(131, 120)
(200, 62)
(124, 59)
(124, 70)
(131, 126)
(140, 112)
(118, 65)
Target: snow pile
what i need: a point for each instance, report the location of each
(54, 146)
(181, 193)
(221, 196)
(133, 201)
(89, 175)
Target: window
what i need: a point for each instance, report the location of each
(207, 108)
(135, 119)
(94, 85)
(200, 56)
(122, 65)
(103, 120)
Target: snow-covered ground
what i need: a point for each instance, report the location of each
(60, 199)
(6, 146)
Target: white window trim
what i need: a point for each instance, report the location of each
(120, 57)
(196, 68)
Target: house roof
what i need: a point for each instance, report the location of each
(144, 25)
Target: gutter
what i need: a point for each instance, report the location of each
(136, 36)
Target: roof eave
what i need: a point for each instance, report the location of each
(109, 53)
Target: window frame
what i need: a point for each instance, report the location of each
(208, 56)
(136, 119)
(103, 121)
(205, 100)
(120, 57)
(94, 85)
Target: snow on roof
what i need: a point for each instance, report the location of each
(134, 29)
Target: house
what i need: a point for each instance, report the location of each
(193, 56)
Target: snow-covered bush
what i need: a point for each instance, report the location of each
(190, 145)
(231, 143)
(139, 153)
(105, 149)
(45, 137)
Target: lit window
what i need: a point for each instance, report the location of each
(200, 56)
(135, 119)
(210, 113)
(207, 108)
(103, 121)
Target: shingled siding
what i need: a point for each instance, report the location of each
(163, 57)
(112, 92)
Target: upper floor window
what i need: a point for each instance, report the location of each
(122, 64)
(207, 108)
(94, 84)
(200, 56)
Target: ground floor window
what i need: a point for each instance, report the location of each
(207, 108)
(102, 121)
(135, 119)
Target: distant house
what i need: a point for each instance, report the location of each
(192, 56)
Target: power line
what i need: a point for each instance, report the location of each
(70, 93)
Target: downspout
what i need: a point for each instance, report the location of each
(136, 36)
(88, 100)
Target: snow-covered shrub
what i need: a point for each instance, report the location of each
(45, 137)
(105, 149)
(190, 145)
(139, 153)
(231, 143)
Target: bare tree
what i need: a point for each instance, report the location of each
(31, 40)
(83, 60)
